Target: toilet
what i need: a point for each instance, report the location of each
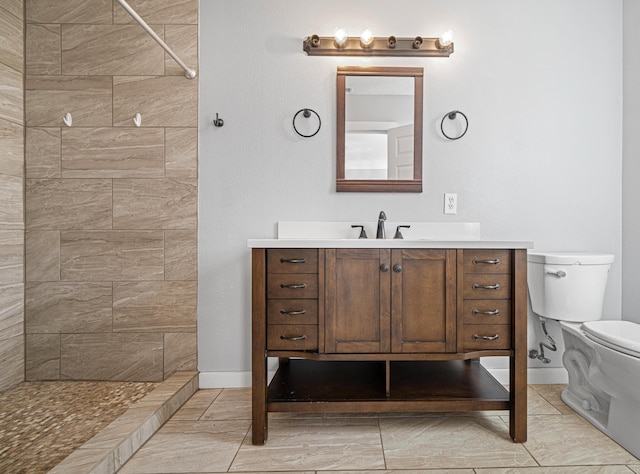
(602, 358)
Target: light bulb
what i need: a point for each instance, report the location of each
(445, 39)
(340, 37)
(366, 39)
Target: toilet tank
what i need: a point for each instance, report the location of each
(568, 286)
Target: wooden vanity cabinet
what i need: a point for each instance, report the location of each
(378, 300)
(387, 330)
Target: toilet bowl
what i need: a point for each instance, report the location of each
(602, 357)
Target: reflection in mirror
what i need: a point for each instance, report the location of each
(378, 140)
(379, 129)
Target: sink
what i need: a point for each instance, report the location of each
(419, 231)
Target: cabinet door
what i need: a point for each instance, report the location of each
(423, 298)
(357, 303)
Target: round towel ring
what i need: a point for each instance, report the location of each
(306, 113)
(452, 116)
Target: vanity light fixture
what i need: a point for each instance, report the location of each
(339, 38)
(366, 39)
(368, 45)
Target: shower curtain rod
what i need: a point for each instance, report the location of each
(189, 73)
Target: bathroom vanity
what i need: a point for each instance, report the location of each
(363, 326)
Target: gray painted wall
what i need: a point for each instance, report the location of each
(631, 164)
(541, 83)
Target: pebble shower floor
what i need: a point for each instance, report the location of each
(41, 423)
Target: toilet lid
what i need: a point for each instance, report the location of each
(620, 335)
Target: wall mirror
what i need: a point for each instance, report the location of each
(379, 129)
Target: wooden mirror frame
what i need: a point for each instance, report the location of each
(370, 185)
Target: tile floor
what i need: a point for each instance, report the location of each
(211, 433)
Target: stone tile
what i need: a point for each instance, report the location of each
(180, 255)
(11, 95)
(538, 405)
(635, 468)
(11, 40)
(69, 11)
(42, 152)
(12, 149)
(196, 405)
(154, 306)
(15, 7)
(42, 248)
(58, 307)
(434, 442)
(310, 444)
(112, 153)
(11, 197)
(11, 361)
(11, 256)
(110, 50)
(185, 446)
(164, 101)
(11, 310)
(87, 98)
(134, 357)
(111, 255)
(159, 11)
(180, 352)
(43, 51)
(570, 440)
(181, 152)
(183, 40)
(68, 203)
(154, 204)
(552, 393)
(559, 470)
(232, 404)
(42, 356)
(82, 461)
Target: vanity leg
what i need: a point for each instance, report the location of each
(259, 349)
(518, 361)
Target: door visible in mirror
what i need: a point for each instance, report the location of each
(379, 145)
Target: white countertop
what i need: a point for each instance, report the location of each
(419, 235)
(389, 243)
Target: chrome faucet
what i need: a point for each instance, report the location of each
(381, 218)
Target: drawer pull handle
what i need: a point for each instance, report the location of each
(488, 313)
(293, 312)
(487, 338)
(486, 287)
(296, 286)
(488, 262)
(293, 260)
(293, 338)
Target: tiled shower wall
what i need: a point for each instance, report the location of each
(11, 193)
(111, 209)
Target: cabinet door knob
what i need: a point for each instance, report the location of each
(384, 267)
(397, 268)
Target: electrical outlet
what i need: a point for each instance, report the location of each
(450, 203)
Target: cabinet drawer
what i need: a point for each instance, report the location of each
(292, 285)
(286, 311)
(486, 261)
(292, 337)
(483, 336)
(484, 286)
(487, 311)
(292, 260)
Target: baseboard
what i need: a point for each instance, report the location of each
(241, 379)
